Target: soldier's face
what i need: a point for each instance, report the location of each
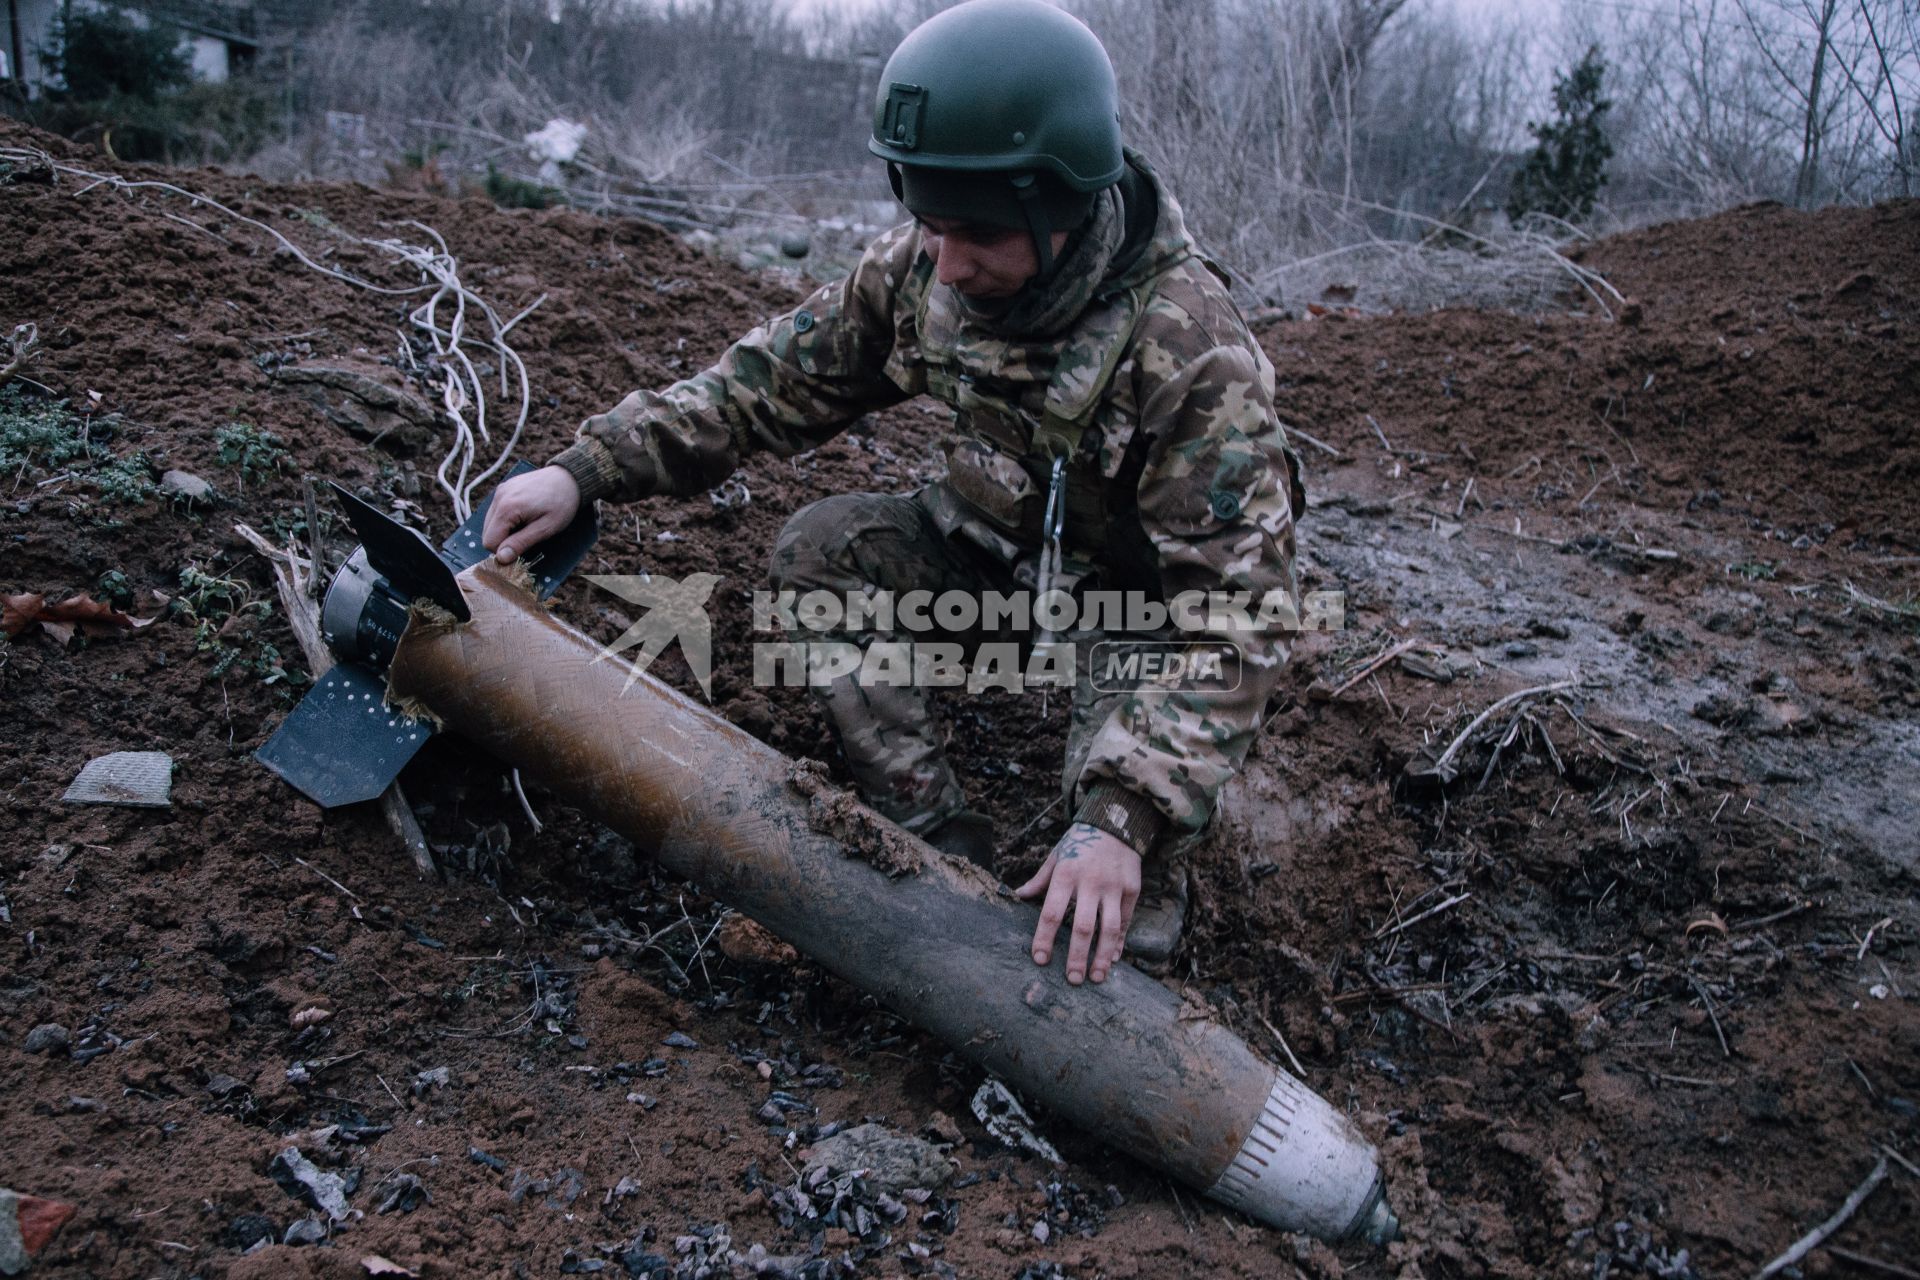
(981, 261)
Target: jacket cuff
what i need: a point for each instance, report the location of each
(1123, 813)
(592, 466)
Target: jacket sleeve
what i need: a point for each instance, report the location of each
(791, 384)
(1217, 500)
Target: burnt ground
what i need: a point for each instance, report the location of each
(1666, 1025)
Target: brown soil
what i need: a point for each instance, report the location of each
(1670, 1028)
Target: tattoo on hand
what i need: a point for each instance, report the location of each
(1077, 841)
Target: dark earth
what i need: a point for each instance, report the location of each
(1662, 1024)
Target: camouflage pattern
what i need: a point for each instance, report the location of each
(1179, 475)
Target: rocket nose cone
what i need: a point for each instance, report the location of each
(1379, 1226)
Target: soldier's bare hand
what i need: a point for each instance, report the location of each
(1097, 875)
(527, 510)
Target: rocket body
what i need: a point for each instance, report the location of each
(931, 937)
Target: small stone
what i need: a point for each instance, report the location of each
(301, 1179)
(141, 779)
(795, 244)
(27, 1223)
(680, 1040)
(48, 1037)
(186, 486)
(893, 1161)
(306, 1231)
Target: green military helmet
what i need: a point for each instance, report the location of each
(1002, 85)
(1017, 92)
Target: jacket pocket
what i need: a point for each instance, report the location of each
(995, 485)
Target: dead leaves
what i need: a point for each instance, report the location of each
(22, 613)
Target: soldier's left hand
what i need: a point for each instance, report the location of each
(1098, 876)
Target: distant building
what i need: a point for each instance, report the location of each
(221, 36)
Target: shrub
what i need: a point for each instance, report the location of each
(1564, 172)
(99, 55)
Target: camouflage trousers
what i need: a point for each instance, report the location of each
(859, 543)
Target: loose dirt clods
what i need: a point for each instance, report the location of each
(835, 812)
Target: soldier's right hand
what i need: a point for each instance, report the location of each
(527, 510)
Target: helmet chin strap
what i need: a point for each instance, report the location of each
(1038, 225)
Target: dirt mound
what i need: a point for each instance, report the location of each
(1632, 995)
(1763, 359)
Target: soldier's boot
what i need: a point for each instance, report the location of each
(967, 834)
(1160, 915)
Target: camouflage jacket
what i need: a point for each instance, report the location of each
(1181, 479)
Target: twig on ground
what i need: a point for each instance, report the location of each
(1866, 943)
(1034, 821)
(1368, 667)
(1875, 602)
(1802, 832)
(1179, 1204)
(1442, 767)
(1661, 1077)
(391, 1094)
(1374, 423)
(1387, 931)
(1281, 1040)
(329, 879)
(1321, 445)
(316, 560)
(526, 807)
(22, 349)
(1872, 1263)
(1712, 1017)
(1460, 511)
(1775, 918)
(1815, 1238)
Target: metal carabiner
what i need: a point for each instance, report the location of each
(1053, 526)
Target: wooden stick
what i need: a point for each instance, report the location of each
(1298, 1070)
(1370, 666)
(1321, 445)
(314, 589)
(1440, 766)
(291, 576)
(1815, 1238)
(1725, 1052)
(1871, 1263)
(1775, 918)
(1389, 930)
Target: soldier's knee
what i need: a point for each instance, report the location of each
(812, 541)
(820, 544)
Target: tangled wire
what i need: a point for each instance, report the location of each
(463, 393)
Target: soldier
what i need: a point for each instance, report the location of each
(1113, 428)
